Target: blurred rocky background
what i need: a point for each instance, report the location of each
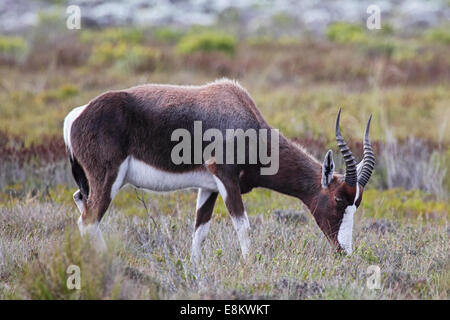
(308, 16)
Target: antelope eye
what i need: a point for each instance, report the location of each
(339, 202)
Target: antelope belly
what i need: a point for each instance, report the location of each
(143, 175)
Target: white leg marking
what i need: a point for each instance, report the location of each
(202, 231)
(221, 188)
(120, 178)
(345, 232)
(199, 235)
(94, 233)
(241, 225)
(202, 196)
(78, 201)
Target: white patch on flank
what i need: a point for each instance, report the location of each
(68, 121)
(120, 178)
(145, 176)
(94, 233)
(199, 235)
(202, 196)
(78, 201)
(346, 228)
(242, 225)
(221, 188)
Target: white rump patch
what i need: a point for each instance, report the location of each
(345, 232)
(68, 122)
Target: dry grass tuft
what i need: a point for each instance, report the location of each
(39, 240)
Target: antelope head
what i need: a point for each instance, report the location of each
(341, 195)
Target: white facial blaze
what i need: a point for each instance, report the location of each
(346, 228)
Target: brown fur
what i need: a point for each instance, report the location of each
(139, 121)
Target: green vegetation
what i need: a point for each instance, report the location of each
(207, 41)
(402, 204)
(114, 35)
(439, 35)
(167, 35)
(298, 83)
(121, 48)
(62, 93)
(343, 32)
(383, 42)
(125, 56)
(12, 48)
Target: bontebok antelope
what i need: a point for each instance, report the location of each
(126, 137)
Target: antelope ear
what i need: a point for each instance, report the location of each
(327, 169)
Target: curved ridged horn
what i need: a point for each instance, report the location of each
(369, 158)
(350, 163)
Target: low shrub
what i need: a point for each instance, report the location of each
(114, 35)
(167, 35)
(379, 47)
(125, 56)
(207, 41)
(12, 49)
(59, 94)
(343, 32)
(398, 203)
(48, 275)
(438, 35)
